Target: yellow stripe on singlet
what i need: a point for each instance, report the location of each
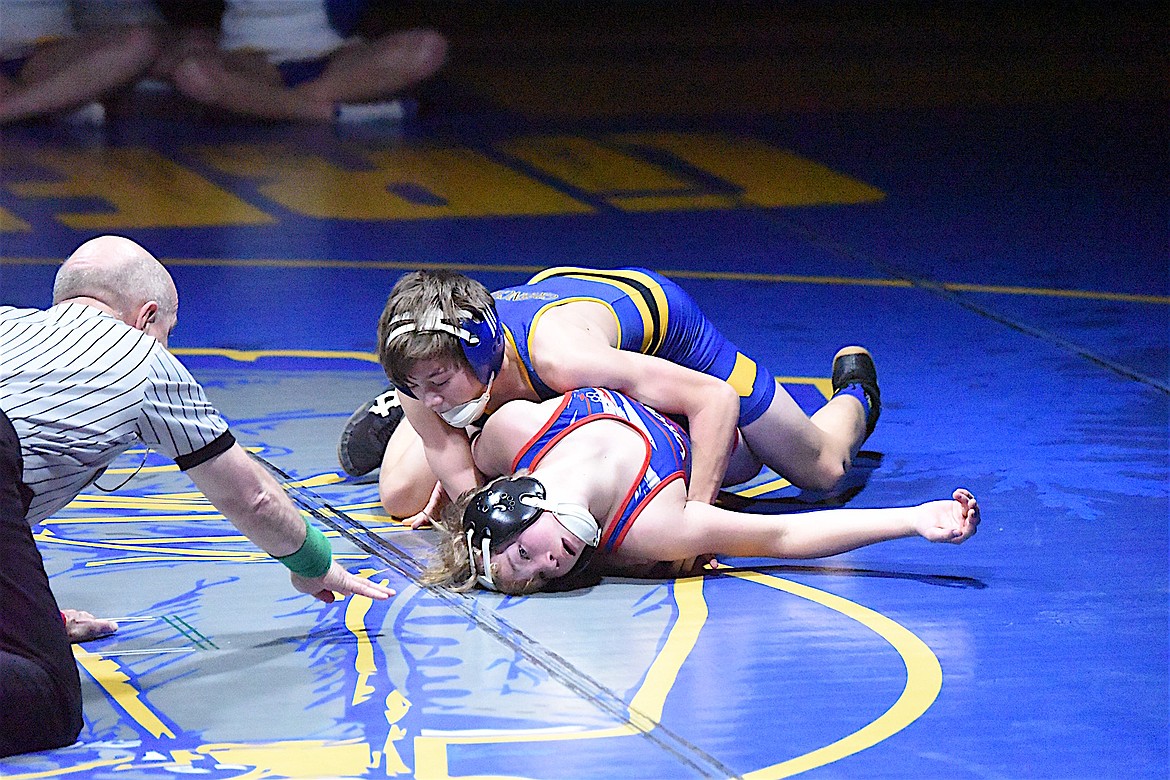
(645, 292)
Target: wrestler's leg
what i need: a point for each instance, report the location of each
(743, 464)
(812, 453)
(406, 482)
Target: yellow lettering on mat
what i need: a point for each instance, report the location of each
(424, 183)
(144, 189)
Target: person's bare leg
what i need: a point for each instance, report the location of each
(743, 464)
(69, 73)
(842, 420)
(812, 453)
(7, 87)
(178, 45)
(405, 482)
(366, 72)
(245, 84)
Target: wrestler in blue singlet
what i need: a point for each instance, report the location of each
(654, 316)
(667, 449)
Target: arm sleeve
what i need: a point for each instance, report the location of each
(176, 418)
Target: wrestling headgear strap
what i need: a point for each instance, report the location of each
(507, 507)
(482, 338)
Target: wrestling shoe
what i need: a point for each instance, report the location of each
(854, 366)
(364, 439)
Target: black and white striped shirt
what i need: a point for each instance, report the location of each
(81, 387)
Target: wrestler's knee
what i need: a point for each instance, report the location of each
(142, 44)
(414, 54)
(430, 51)
(823, 474)
(198, 78)
(400, 499)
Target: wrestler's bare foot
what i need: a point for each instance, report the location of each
(953, 521)
(82, 626)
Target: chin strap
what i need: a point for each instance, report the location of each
(484, 579)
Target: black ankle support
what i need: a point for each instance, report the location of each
(858, 368)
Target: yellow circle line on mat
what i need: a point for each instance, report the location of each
(923, 683)
(923, 680)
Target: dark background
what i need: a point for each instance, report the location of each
(669, 58)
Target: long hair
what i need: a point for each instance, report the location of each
(450, 566)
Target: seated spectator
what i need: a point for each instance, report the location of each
(47, 68)
(299, 60)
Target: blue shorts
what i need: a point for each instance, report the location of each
(300, 71)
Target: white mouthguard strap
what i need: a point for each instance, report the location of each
(484, 579)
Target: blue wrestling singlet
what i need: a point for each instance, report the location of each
(654, 316)
(667, 449)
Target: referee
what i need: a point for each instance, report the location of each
(80, 383)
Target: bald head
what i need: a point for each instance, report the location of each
(117, 272)
(124, 277)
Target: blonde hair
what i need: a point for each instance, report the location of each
(414, 296)
(450, 567)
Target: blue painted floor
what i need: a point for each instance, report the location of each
(990, 220)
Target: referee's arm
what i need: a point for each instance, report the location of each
(255, 503)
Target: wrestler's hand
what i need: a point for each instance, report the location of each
(82, 626)
(430, 514)
(700, 564)
(953, 521)
(339, 581)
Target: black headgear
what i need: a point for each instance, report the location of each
(499, 514)
(508, 506)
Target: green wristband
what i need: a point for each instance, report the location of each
(315, 556)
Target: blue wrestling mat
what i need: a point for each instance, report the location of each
(995, 235)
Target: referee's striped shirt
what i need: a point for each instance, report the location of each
(81, 387)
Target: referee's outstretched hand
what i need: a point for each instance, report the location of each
(339, 581)
(82, 626)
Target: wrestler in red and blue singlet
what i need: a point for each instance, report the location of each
(667, 449)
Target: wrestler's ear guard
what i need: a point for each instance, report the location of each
(575, 518)
(481, 336)
(497, 516)
(508, 506)
(578, 521)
